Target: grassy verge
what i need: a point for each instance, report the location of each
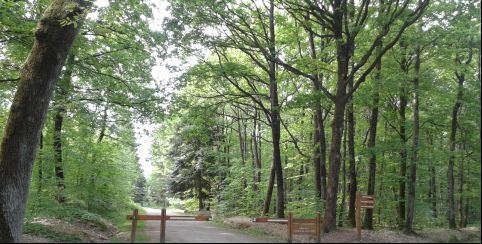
(125, 229)
(257, 233)
(43, 231)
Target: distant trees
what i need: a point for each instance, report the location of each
(368, 68)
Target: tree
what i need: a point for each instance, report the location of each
(22, 132)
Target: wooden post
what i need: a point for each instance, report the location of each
(318, 227)
(163, 225)
(358, 215)
(290, 227)
(134, 226)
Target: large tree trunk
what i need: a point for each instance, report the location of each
(29, 107)
(414, 153)
(329, 221)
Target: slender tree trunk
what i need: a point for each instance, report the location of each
(351, 158)
(432, 184)
(453, 134)
(27, 115)
(414, 153)
(275, 116)
(403, 139)
(319, 143)
(200, 191)
(269, 191)
(371, 146)
(40, 165)
(59, 172)
(242, 149)
(461, 194)
(343, 190)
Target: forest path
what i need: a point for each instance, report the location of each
(194, 231)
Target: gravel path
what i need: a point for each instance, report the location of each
(194, 232)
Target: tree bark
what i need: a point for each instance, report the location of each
(372, 166)
(343, 184)
(432, 184)
(59, 172)
(319, 141)
(40, 165)
(351, 158)
(403, 138)
(453, 134)
(414, 152)
(29, 107)
(269, 191)
(275, 116)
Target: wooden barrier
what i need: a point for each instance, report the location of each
(163, 218)
(362, 201)
(297, 226)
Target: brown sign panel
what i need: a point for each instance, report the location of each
(304, 228)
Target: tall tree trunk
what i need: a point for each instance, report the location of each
(432, 183)
(414, 152)
(461, 194)
(200, 190)
(403, 139)
(269, 191)
(343, 190)
(242, 148)
(59, 172)
(61, 97)
(453, 134)
(40, 165)
(351, 157)
(275, 116)
(319, 143)
(27, 115)
(372, 167)
(256, 150)
(329, 221)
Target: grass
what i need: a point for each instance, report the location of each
(126, 226)
(43, 231)
(249, 231)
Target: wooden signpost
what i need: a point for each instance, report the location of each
(362, 201)
(297, 226)
(163, 218)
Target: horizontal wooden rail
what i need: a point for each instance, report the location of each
(173, 218)
(266, 220)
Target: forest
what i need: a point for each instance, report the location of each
(254, 108)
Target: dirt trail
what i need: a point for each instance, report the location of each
(194, 231)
